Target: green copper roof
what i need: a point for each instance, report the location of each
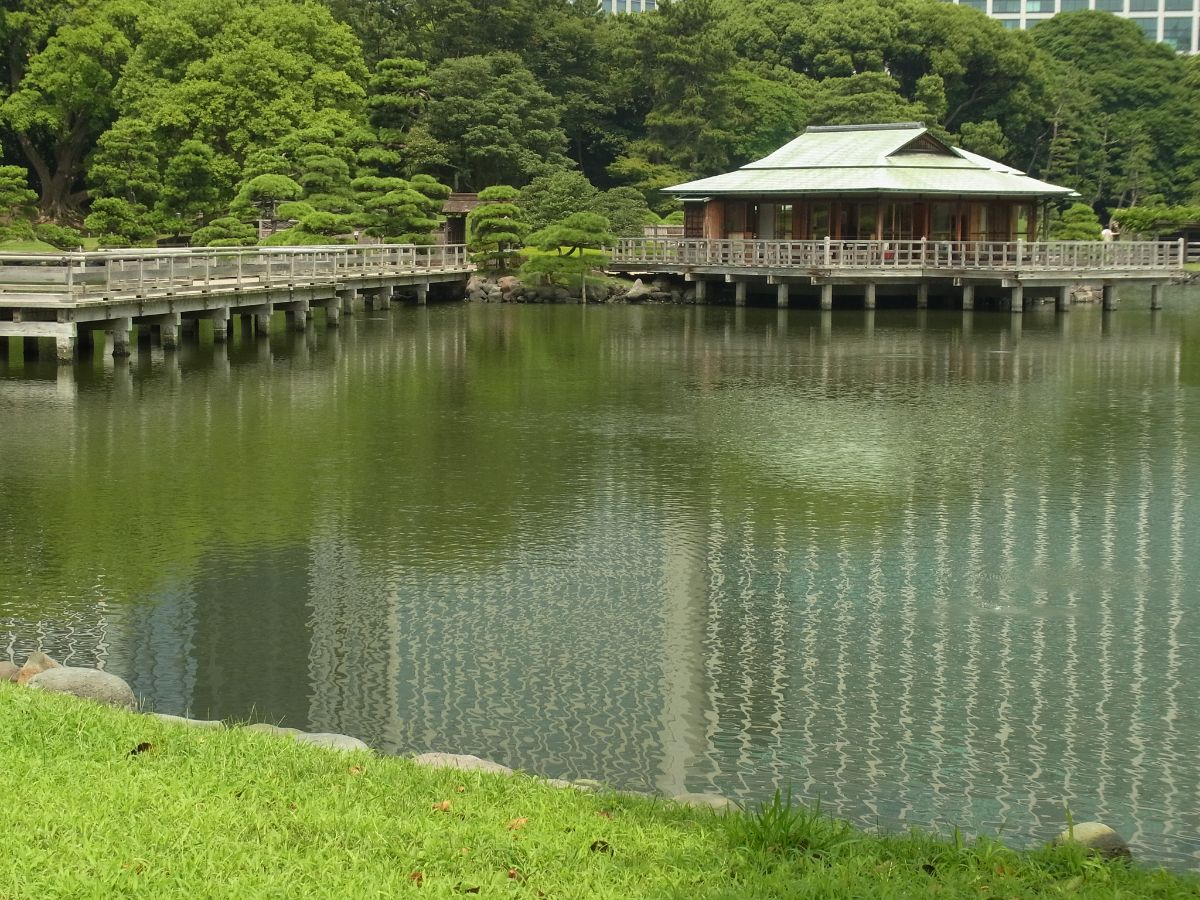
(872, 159)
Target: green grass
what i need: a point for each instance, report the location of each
(1192, 267)
(237, 814)
(31, 246)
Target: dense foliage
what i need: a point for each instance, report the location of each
(176, 116)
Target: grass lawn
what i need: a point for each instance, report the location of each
(1192, 267)
(232, 813)
(33, 246)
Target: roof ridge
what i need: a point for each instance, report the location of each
(883, 126)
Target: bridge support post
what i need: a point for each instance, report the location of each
(781, 295)
(1156, 296)
(869, 296)
(347, 301)
(1017, 298)
(64, 348)
(119, 329)
(1109, 297)
(333, 314)
(1062, 298)
(220, 324)
(169, 331)
(262, 320)
(422, 292)
(923, 295)
(827, 296)
(298, 315)
(739, 293)
(968, 297)
(701, 290)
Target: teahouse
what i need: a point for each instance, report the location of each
(867, 182)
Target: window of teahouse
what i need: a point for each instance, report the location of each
(868, 213)
(998, 220)
(820, 221)
(943, 222)
(898, 222)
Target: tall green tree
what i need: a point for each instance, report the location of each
(496, 230)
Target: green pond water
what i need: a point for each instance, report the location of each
(932, 569)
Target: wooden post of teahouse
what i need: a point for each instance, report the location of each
(1109, 295)
(869, 296)
(968, 296)
(827, 296)
(781, 295)
(1156, 296)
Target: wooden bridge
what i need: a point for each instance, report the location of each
(68, 296)
(1017, 269)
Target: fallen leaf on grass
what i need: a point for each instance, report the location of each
(515, 874)
(604, 814)
(141, 748)
(356, 770)
(465, 851)
(461, 789)
(417, 878)
(516, 824)
(443, 806)
(601, 847)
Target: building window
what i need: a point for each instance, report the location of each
(783, 221)
(1039, 6)
(1074, 5)
(976, 4)
(1011, 24)
(1111, 5)
(1179, 5)
(1005, 6)
(1149, 27)
(1178, 33)
(1143, 5)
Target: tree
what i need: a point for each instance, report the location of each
(401, 211)
(227, 231)
(260, 196)
(192, 187)
(625, 209)
(496, 230)
(1078, 223)
(494, 121)
(570, 248)
(15, 194)
(554, 196)
(119, 223)
(63, 90)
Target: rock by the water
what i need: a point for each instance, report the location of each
(590, 784)
(637, 291)
(88, 684)
(267, 728)
(35, 664)
(713, 801)
(191, 723)
(332, 741)
(1098, 837)
(8, 671)
(474, 283)
(508, 283)
(462, 761)
(559, 783)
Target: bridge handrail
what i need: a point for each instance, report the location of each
(1008, 256)
(76, 275)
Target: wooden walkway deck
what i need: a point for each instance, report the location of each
(67, 296)
(1020, 268)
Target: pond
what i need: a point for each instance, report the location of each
(930, 568)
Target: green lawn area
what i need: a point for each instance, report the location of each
(1192, 267)
(32, 246)
(232, 813)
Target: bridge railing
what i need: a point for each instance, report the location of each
(1007, 256)
(74, 277)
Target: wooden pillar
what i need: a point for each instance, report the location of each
(1017, 298)
(869, 296)
(220, 323)
(119, 329)
(781, 295)
(923, 295)
(701, 290)
(968, 296)
(1156, 296)
(827, 296)
(1109, 295)
(739, 293)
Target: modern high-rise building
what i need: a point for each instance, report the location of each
(1174, 22)
(627, 6)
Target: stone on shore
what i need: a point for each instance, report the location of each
(87, 684)
(9, 671)
(191, 723)
(637, 291)
(1098, 837)
(332, 741)
(35, 664)
(268, 728)
(712, 801)
(463, 761)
